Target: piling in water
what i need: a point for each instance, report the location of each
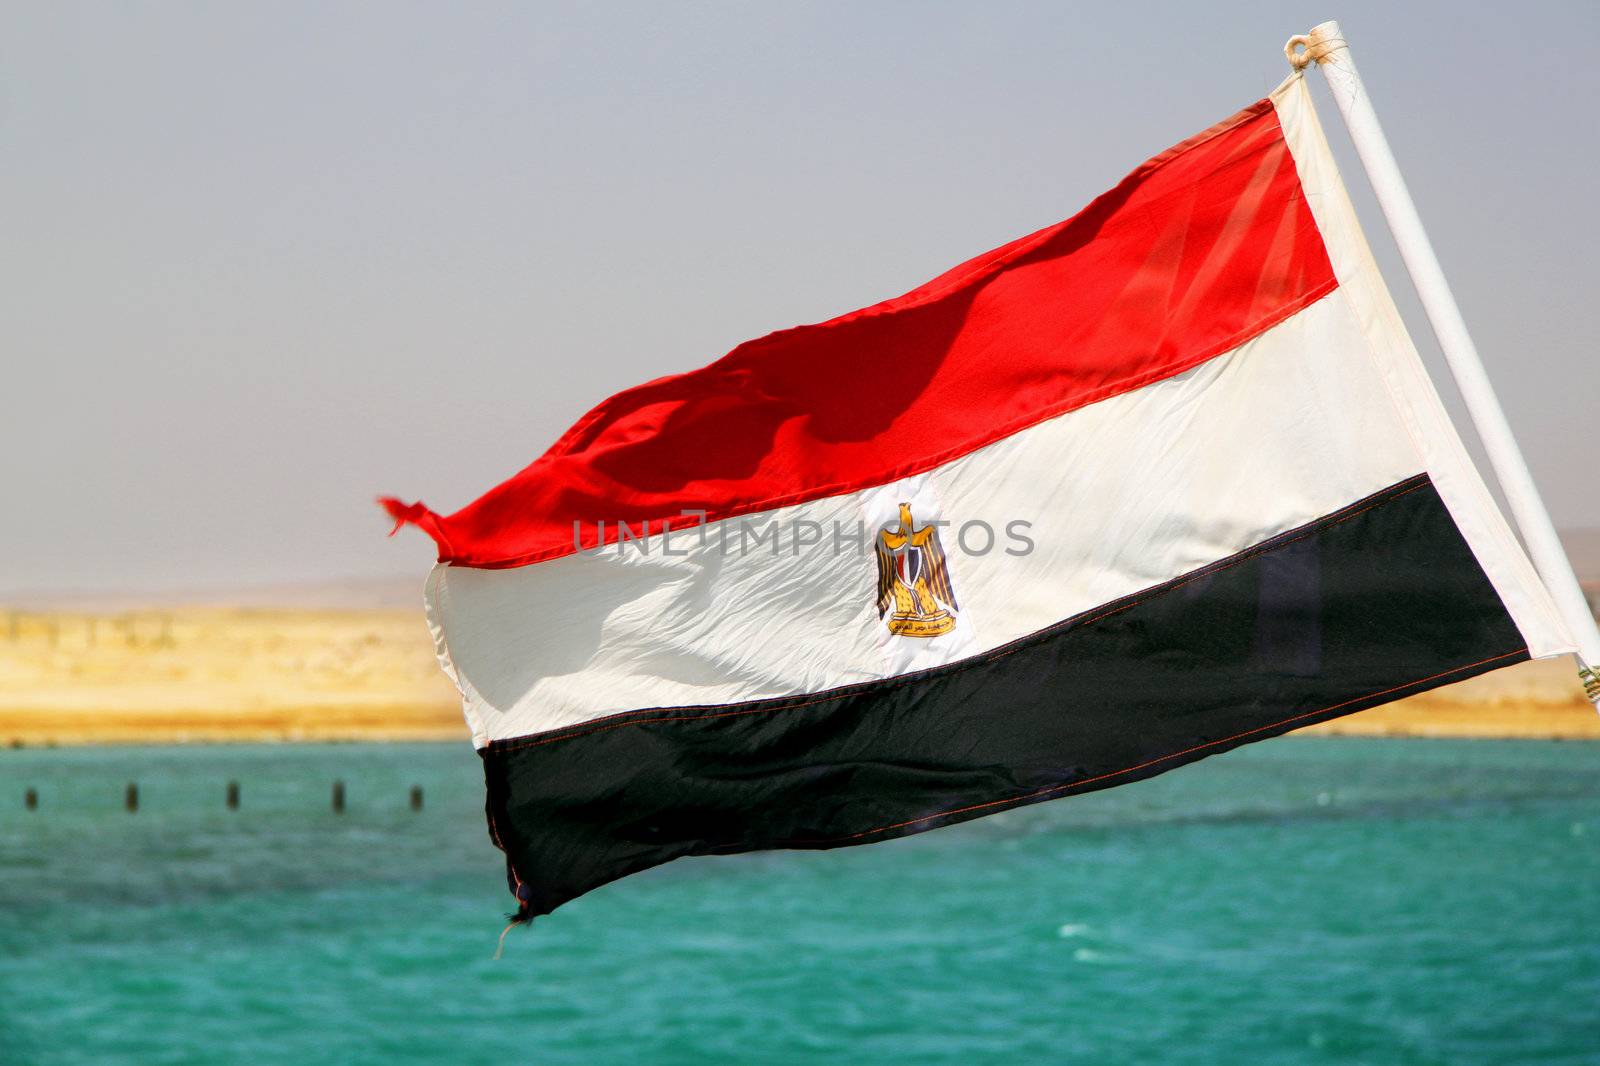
(416, 797)
(30, 799)
(233, 795)
(130, 798)
(338, 797)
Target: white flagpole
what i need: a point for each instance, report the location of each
(1325, 45)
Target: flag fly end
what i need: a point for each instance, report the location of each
(402, 512)
(415, 514)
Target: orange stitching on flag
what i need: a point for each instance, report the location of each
(1140, 766)
(635, 717)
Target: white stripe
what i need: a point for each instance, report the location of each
(1121, 495)
(1411, 392)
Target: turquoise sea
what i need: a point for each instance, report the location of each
(1302, 900)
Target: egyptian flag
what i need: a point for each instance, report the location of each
(1146, 485)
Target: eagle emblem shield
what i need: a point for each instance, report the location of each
(914, 579)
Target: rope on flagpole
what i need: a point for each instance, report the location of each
(1326, 46)
(1305, 49)
(1591, 684)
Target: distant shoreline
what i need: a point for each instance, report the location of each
(18, 745)
(21, 729)
(248, 676)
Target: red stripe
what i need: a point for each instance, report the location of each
(1195, 252)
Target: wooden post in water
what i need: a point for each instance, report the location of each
(233, 795)
(416, 797)
(338, 797)
(130, 798)
(30, 799)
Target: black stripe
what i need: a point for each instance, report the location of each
(1371, 603)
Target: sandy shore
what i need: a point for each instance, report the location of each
(211, 674)
(215, 674)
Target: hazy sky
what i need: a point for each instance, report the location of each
(266, 261)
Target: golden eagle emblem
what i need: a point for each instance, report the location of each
(914, 578)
